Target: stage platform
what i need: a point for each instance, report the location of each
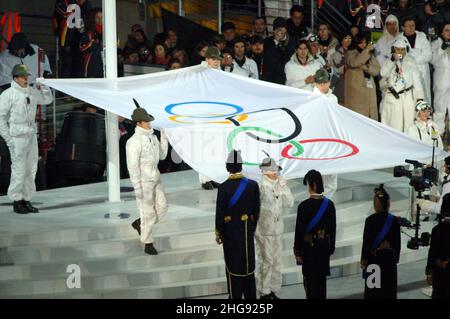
(73, 227)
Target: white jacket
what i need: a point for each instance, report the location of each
(421, 131)
(275, 199)
(421, 53)
(441, 63)
(144, 152)
(17, 116)
(329, 94)
(8, 61)
(410, 76)
(249, 69)
(384, 45)
(296, 73)
(435, 207)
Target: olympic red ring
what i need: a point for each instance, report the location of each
(354, 148)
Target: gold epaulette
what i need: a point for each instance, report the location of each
(236, 176)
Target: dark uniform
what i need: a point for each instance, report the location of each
(438, 261)
(386, 255)
(315, 247)
(236, 226)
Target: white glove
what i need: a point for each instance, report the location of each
(282, 181)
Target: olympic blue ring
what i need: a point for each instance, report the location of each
(238, 109)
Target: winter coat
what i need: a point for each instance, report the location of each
(296, 73)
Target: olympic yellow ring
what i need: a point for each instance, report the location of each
(175, 118)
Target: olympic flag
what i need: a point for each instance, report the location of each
(206, 113)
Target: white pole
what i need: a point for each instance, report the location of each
(180, 8)
(112, 130)
(219, 15)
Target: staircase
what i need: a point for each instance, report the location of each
(190, 264)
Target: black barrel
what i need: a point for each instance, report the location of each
(81, 148)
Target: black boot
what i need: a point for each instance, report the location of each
(29, 207)
(265, 297)
(137, 225)
(20, 208)
(273, 296)
(150, 249)
(214, 184)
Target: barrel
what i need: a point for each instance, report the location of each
(81, 148)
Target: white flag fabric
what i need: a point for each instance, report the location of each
(206, 113)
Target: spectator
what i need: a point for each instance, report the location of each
(296, 26)
(241, 64)
(219, 42)
(420, 51)
(260, 27)
(182, 57)
(173, 65)
(362, 67)
(228, 30)
(301, 68)
(69, 38)
(20, 51)
(402, 88)
(257, 52)
(132, 57)
(424, 128)
(160, 38)
(354, 30)
(327, 42)
(199, 53)
(161, 56)
(402, 9)
(172, 40)
(383, 47)
(338, 65)
(91, 45)
(227, 61)
(434, 16)
(137, 39)
(314, 49)
(441, 76)
(277, 51)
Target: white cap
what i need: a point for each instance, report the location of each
(401, 43)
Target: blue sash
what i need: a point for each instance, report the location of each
(318, 215)
(382, 234)
(240, 190)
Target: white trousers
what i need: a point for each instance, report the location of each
(152, 208)
(269, 250)
(441, 106)
(24, 161)
(398, 113)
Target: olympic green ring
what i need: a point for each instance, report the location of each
(240, 129)
(238, 109)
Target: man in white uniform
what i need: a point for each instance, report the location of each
(402, 88)
(276, 198)
(18, 106)
(144, 152)
(391, 33)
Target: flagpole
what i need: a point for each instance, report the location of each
(112, 130)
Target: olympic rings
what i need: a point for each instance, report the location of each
(238, 109)
(294, 134)
(354, 149)
(175, 118)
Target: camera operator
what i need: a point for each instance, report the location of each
(441, 86)
(438, 269)
(402, 86)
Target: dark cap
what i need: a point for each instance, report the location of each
(279, 23)
(213, 53)
(228, 26)
(140, 114)
(269, 165)
(322, 76)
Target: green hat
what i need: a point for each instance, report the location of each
(213, 53)
(322, 76)
(20, 70)
(140, 114)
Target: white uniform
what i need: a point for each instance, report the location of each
(275, 198)
(383, 47)
(297, 73)
(8, 61)
(435, 207)
(400, 113)
(144, 152)
(421, 131)
(441, 85)
(18, 128)
(421, 53)
(329, 181)
(249, 69)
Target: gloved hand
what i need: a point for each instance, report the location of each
(282, 181)
(138, 191)
(163, 135)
